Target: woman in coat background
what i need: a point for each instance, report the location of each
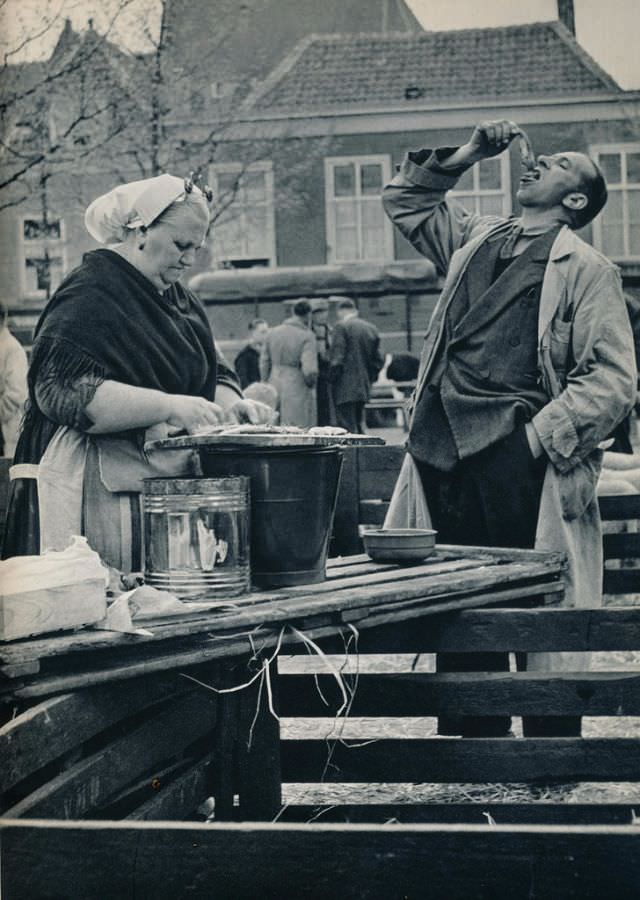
(289, 361)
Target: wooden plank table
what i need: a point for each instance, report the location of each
(357, 593)
(98, 718)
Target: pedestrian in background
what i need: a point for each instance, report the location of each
(247, 362)
(322, 330)
(355, 363)
(289, 361)
(13, 384)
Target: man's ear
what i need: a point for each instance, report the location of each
(575, 201)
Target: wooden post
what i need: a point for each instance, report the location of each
(247, 746)
(346, 540)
(258, 749)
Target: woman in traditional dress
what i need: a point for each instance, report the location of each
(122, 352)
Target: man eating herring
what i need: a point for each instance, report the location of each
(527, 366)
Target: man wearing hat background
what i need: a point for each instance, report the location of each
(322, 330)
(355, 363)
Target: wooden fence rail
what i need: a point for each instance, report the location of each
(147, 861)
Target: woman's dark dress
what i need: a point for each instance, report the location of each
(106, 321)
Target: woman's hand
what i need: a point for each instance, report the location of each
(252, 411)
(192, 413)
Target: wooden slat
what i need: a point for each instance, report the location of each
(136, 793)
(525, 630)
(97, 861)
(55, 726)
(449, 760)
(293, 604)
(470, 813)
(91, 781)
(179, 797)
(621, 581)
(510, 693)
(622, 546)
(191, 653)
(620, 506)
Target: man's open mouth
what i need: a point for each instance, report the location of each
(529, 176)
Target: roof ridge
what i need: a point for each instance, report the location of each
(277, 73)
(582, 67)
(571, 41)
(337, 36)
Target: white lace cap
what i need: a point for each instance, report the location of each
(109, 217)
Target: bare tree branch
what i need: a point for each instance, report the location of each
(19, 175)
(17, 201)
(29, 39)
(80, 59)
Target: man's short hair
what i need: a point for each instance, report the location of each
(347, 303)
(302, 308)
(253, 324)
(595, 189)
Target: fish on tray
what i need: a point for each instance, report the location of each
(247, 428)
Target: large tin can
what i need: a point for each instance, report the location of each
(196, 536)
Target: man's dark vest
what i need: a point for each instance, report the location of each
(484, 380)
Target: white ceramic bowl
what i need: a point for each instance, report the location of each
(399, 544)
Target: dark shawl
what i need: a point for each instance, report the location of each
(107, 321)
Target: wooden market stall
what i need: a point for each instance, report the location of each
(111, 748)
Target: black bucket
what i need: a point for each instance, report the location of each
(293, 498)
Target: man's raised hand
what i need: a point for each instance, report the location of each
(491, 138)
(487, 139)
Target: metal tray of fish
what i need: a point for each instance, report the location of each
(267, 440)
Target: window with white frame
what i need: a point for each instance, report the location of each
(485, 188)
(616, 231)
(43, 256)
(243, 232)
(357, 228)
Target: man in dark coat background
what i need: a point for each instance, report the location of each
(322, 330)
(247, 362)
(355, 363)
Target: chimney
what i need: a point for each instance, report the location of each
(566, 15)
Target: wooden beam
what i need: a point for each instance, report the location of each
(470, 813)
(96, 860)
(320, 623)
(178, 797)
(91, 781)
(487, 571)
(447, 760)
(620, 506)
(60, 724)
(526, 630)
(622, 546)
(495, 694)
(621, 581)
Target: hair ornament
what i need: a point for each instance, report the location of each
(192, 181)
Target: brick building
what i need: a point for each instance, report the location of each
(335, 95)
(377, 95)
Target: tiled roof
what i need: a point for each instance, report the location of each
(328, 71)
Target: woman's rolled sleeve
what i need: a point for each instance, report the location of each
(64, 383)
